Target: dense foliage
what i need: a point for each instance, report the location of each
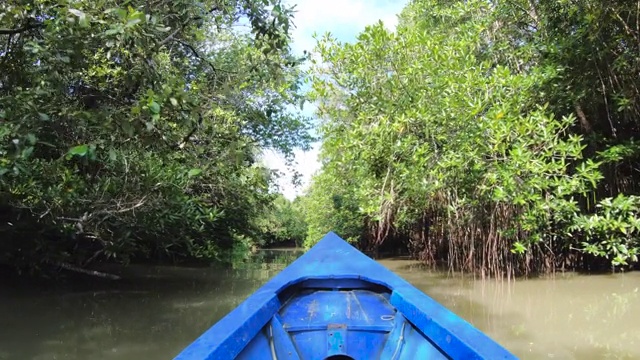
(495, 136)
(132, 128)
(283, 223)
(498, 137)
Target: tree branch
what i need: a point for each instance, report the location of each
(20, 29)
(184, 26)
(583, 118)
(70, 267)
(186, 139)
(197, 54)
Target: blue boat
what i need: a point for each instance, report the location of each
(335, 303)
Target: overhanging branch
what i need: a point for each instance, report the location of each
(197, 54)
(20, 29)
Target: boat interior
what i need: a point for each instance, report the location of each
(339, 319)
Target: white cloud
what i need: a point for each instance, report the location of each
(306, 163)
(345, 19)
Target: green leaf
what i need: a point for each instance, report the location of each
(44, 117)
(113, 31)
(113, 156)
(133, 22)
(194, 172)
(80, 150)
(154, 107)
(82, 17)
(27, 151)
(77, 12)
(518, 248)
(174, 102)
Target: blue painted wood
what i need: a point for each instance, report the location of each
(396, 340)
(335, 288)
(405, 342)
(337, 340)
(259, 348)
(282, 343)
(360, 309)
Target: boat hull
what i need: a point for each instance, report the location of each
(336, 303)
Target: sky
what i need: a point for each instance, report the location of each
(344, 19)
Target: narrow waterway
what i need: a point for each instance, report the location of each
(157, 311)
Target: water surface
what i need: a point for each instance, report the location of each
(566, 316)
(157, 311)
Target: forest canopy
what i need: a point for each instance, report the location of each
(132, 129)
(497, 137)
(491, 136)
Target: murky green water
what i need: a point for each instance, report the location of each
(159, 310)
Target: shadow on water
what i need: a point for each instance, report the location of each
(152, 313)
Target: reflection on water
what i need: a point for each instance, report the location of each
(152, 314)
(159, 310)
